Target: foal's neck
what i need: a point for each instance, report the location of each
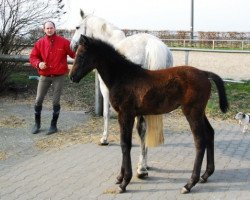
(118, 69)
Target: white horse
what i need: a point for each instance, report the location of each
(144, 49)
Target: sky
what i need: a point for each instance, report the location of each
(173, 15)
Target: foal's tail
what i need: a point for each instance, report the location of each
(221, 89)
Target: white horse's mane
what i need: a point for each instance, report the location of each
(102, 29)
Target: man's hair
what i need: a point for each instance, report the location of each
(49, 22)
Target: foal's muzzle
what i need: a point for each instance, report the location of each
(74, 79)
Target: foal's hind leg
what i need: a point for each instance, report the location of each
(142, 164)
(126, 122)
(198, 129)
(210, 151)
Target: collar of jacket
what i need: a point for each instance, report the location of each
(51, 38)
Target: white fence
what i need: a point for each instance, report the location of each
(211, 44)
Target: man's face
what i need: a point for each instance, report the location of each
(49, 29)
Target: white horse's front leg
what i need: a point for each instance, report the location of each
(142, 164)
(106, 111)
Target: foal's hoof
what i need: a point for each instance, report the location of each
(143, 175)
(202, 180)
(118, 180)
(121, 190)
(184, 190)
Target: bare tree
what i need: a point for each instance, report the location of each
(18, 20)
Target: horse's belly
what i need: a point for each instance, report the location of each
(158, 108)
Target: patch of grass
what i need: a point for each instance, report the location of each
(20, 79)
(3, 155)
(75, 95)
(238, 95)
(80, 94)
(12, 121)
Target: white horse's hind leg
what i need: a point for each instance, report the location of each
(142, 164)
(244, 128)
(106, 111)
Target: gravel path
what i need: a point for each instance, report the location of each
(16, 120)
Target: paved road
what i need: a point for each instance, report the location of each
(88, 171)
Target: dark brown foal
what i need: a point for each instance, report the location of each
(136, 92)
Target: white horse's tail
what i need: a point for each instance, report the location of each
(158, 55)
(154, 130)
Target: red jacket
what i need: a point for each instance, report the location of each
(53, 51)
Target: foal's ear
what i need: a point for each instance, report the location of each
(82, 13)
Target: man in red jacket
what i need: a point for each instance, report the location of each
(49, 57)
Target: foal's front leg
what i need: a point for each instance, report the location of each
(126, 126)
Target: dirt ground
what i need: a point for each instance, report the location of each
(228, 65)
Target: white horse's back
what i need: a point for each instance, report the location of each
(158, 55)
(146, 50)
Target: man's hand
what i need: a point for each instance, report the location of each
(42, 65)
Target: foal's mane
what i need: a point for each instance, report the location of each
(107, 51)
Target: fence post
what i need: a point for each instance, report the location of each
(186, 57)
(98, 97)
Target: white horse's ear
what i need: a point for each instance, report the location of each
(82, 13)
(104, 27)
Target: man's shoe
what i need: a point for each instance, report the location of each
(35, 129)
(52, 129)
(37, 126)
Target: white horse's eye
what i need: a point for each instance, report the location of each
(77, 27)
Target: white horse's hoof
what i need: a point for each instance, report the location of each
(142, 174)
(104, 142)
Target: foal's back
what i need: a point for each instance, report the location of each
(177, 86)
(161, 91)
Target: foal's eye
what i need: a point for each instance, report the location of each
(77, 27)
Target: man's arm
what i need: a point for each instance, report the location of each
(35, 57)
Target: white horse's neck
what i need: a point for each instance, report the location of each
(101, 29)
